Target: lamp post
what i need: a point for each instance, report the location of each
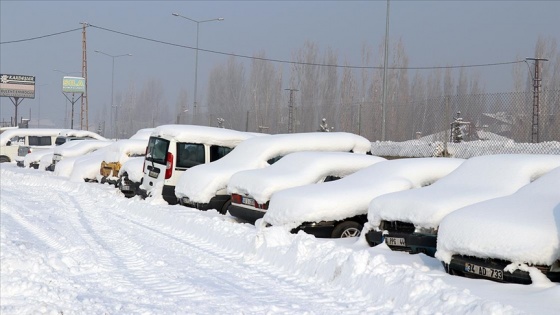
(196, 53)
(66, 101)
(112, 88)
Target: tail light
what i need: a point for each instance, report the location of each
(235, 198)
(169, 166)
(28, 150)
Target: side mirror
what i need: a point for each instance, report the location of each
(8, 143)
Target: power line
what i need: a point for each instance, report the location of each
(39, 37)
(271, 59)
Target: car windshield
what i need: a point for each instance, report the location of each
(157, 150)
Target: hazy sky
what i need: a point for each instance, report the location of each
(434, 33)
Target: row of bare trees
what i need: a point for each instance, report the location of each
(253, 95)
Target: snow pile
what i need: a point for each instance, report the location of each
(478, 179)
(87, 250)
(296, 169)
(202, 182)
(350, 196)
(521, 228)
(134, 168)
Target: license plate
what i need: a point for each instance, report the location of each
(395, 241)
(125, 187)
(153, 174)
(247, 201)
(485, 272)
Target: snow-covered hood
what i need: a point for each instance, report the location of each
(350, 196)
(200, 183)
(478, 179)
(522, 227)
(297, 169)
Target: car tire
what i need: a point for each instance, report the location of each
(4, 159)
(225, 207)
(347, 229)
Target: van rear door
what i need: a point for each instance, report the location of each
(156, 159)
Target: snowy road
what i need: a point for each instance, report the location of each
(82, 248)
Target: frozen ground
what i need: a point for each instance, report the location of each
(81, 248)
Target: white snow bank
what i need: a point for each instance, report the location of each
(522, 228)
(133, 167)
(202, 134)
(296, 169)
(6, 135)
(478, 179)
(350, 196)
(200, 183)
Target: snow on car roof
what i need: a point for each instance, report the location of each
(350, 196)
(202, 134)
(142, 134)
(80, 133)
(10, 133)
(80, 147)
(522, 227)
(296, 169)
(478, 179)
(200, 183)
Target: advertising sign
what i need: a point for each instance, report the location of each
(17, 85)
(73, 85)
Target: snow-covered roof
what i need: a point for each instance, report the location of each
(202, 134)
(142, 134)
(200, 183)
(10, 133)
(296, 169)
(80, 133)
(133, 167)
(350, 196)
(478, 179)
(522, 227)
(80, 147)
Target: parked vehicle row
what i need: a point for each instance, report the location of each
(493, 217)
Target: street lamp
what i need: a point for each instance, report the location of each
(112, 87)
(196, 58)
(66, 100)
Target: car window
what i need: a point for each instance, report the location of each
(157, 150)
(60, 140)
(331, 178)
(274, 160)
(217, 152)
(190, 154)
(36, 140)
(18, 140)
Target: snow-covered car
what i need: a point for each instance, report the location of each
(12, 139)
(72, 134)
(509, 239)
(103, 165)
(65, 155)
(409, 220)
(172, 149)
(251, 190)
(205, 186)
(33, 159)
(339, 208)
(130, 176)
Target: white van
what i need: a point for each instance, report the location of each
(12, 139)
(172, 149)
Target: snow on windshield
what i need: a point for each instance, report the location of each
(478, 179)
(200, 183)
(350, 196)
(521, 228)
(296, 169)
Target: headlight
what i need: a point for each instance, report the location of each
(422, 230)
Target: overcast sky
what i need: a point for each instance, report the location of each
(434, 33)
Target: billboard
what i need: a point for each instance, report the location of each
(73, 85)
(17, 85)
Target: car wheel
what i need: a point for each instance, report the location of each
(4, 159)
(347, 229)
(225, 207)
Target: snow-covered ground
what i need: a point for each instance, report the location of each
(82, 248)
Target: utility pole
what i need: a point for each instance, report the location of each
(385, 65)
(291, 110)
(536, 99)
(84, 118)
